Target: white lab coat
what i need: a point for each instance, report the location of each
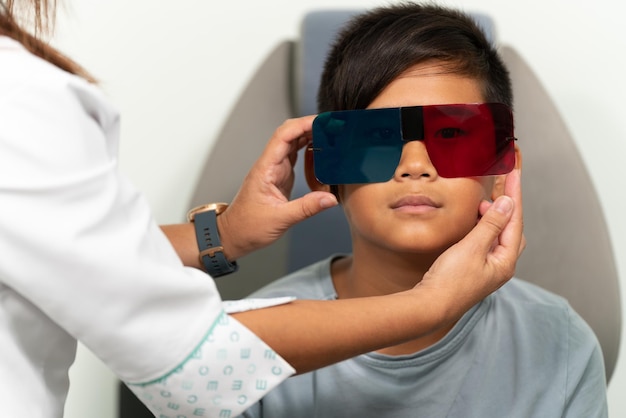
(81, 258)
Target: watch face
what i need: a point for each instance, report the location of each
(217, 207)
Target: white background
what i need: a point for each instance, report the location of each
(175, 70)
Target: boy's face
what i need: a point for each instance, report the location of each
(418, 211)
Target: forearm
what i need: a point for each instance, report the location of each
(312, 334)
(183, 239)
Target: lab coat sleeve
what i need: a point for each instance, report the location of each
(79, 242)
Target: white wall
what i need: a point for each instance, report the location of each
(176, 71)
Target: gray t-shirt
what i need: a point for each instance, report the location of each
(521, 352)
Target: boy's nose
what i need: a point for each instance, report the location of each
(414, 162)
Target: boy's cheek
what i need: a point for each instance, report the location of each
(483, 206)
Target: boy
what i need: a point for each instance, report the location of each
(410, 185)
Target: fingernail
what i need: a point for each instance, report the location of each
(328, 202)
(503, 204)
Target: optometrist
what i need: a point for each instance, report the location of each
(83, 260)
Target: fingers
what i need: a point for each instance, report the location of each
(522, 246)
(272, 176)
(512, 185)
(289, 137)
(512, 237)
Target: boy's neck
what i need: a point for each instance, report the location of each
(363, 275)
(359, 276)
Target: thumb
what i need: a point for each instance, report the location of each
(309, 205)
(493, 222)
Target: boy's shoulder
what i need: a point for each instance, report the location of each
(520, 291)
(524, 302)
(519, 301)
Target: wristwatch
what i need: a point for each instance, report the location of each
(212, 257)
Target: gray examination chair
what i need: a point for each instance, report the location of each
(568, 252)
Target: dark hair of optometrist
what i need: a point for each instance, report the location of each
(17, 14)
(378, 45)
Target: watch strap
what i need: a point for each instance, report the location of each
(210, 246)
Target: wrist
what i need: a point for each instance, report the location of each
(223, 226)
(183, 239)
(237, 238)
(437, 306)
(213, 255)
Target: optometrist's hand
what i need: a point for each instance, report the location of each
(262, 211)
(485, 259)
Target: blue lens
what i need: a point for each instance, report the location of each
(357, 147)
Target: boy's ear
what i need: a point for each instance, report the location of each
(309, 173)
(498, 186)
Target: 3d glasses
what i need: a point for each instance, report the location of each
(365, 146)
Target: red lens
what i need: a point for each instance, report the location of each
(469, 140)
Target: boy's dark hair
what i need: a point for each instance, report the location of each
(378, 45)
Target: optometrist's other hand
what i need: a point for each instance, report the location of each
(262, 211)
(485, 259)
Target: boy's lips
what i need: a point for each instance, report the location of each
(415, 201)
